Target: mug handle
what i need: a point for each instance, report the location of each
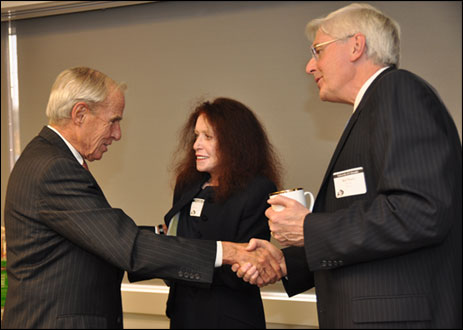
(312, 200)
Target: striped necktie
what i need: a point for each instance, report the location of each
(84, 164)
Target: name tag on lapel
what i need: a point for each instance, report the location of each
(349, 182)
(196, 207)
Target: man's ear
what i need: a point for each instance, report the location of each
(359, 46)
(79, 112)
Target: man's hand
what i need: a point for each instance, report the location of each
(250, 273)
(287, 226)
(264, 266)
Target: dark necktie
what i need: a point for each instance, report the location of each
(84, 164)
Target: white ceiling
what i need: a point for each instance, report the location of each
(13, 10)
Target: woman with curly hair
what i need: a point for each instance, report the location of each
(225, 171)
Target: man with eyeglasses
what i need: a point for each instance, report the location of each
(383, 245)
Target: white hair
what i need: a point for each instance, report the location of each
(382, 33)
(77, 85)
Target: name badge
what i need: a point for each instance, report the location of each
(349, 182)
(196, 207)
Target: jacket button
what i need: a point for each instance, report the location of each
(197, 277)
(180, 273)
(323, 263)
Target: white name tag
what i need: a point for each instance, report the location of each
(196, 207)
(349, 182)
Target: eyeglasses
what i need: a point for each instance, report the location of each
(316, 48)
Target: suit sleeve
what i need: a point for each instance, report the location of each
(72, 204)
(299, 278)
(413, 169)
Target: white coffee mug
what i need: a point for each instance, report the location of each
(297, 194)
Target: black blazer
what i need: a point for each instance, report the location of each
(390, 257)
(68, 248)
(229, 302)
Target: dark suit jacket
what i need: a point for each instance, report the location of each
(229, 302)
(68, 248)
(391, 257)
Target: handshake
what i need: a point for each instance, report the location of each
(257, 262)
(260, 262)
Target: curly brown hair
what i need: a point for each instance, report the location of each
(244, 150)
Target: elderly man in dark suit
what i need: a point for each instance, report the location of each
(383, 244)
(67, 247)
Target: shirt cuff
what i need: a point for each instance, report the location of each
(219, 255)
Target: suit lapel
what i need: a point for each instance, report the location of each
(185, 198)
(350, 126)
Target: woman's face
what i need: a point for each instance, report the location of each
(206, 148)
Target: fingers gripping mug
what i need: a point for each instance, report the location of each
(297, 194)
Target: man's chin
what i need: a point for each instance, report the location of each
(91, 158)
(326, 97)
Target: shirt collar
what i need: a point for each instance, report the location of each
(76, 154)
(365, 87)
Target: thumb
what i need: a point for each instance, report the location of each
(253, 244)
(279, 200)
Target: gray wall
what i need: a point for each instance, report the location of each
(171, 54)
